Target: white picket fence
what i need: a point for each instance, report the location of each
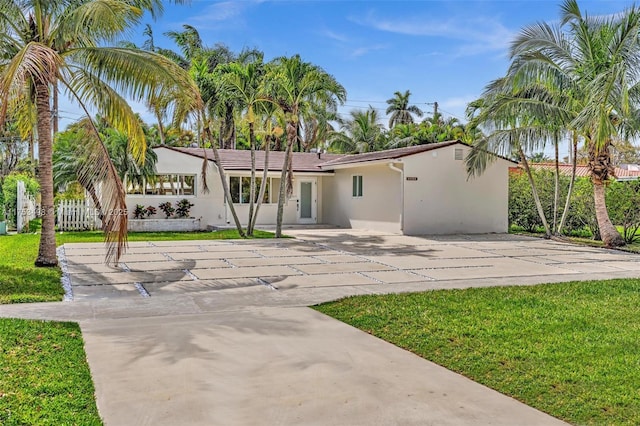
(77, 215)
(25, 206)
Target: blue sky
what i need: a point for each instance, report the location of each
(444, 51)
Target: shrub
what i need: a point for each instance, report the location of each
(139, 212)
(10, 191)
(183, 207)
(150, 211)
(623, 203)
(167, 209)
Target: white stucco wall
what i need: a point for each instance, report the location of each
(210, 207)
(379, 206)
(443, 201)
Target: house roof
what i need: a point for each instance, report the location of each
(236, 159)
(389, 154)
(232, 159)
(582, 170)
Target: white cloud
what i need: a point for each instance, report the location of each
(475, 36)
(334, 36)
(222, 14)
(363, 50)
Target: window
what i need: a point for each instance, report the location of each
(240, 188)
(164, 185)
(357, 186)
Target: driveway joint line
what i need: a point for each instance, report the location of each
(167, 256)
(143, 291)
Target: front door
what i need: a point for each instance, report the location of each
(307, 203)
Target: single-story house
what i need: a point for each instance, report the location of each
(415, 190)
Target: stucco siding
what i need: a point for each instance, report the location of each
(208, 207)
(378, 207)
(443, 201)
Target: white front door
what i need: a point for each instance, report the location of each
(307, 204)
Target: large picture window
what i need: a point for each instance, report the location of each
(171, 185)
(357, 186)
(240, 188)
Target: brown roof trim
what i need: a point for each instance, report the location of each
(233, 159)
(389, 154)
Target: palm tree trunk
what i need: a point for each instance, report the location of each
(534, 191)
(263, 184)
(574, 164)
(609, 234)
(291, 136)
(600, 167)
(252, 189)
(223, 179)
(47, 248)
(160, 128)
(556, 178)
(56, 112)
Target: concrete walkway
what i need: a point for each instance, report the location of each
(225, 337)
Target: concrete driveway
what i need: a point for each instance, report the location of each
(331, 263)
(217, 332)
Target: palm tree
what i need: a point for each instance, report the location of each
(58, 43)
(244, 82)
(293, 85)
(361, 132)
(512, 130)
(400, 110)
(595, 60)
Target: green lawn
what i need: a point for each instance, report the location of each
(571, 350)
(21, 282)
(44, 376)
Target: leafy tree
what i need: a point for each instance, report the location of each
(10, 192)
(400, 110)
(244, 83)
(361, 132)
(590, 64)
(294, 85)
(62, 44)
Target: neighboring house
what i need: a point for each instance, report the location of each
(415, 190)
(624, 172)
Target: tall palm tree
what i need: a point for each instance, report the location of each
(293, 85)
(61, 43)
(400, 110)
(595, 59)
(361, 132)
(244, 83)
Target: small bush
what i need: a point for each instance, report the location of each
(167, 209)
(150, 211)
(139, 212)
(183, 207)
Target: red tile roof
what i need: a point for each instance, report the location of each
(582, 170)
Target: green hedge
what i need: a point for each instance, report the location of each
(623, 203)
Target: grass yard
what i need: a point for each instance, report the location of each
(571, 350)
(44, 376)
(22, 282)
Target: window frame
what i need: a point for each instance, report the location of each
(357, 183)
(238, 198)
(177, 179)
